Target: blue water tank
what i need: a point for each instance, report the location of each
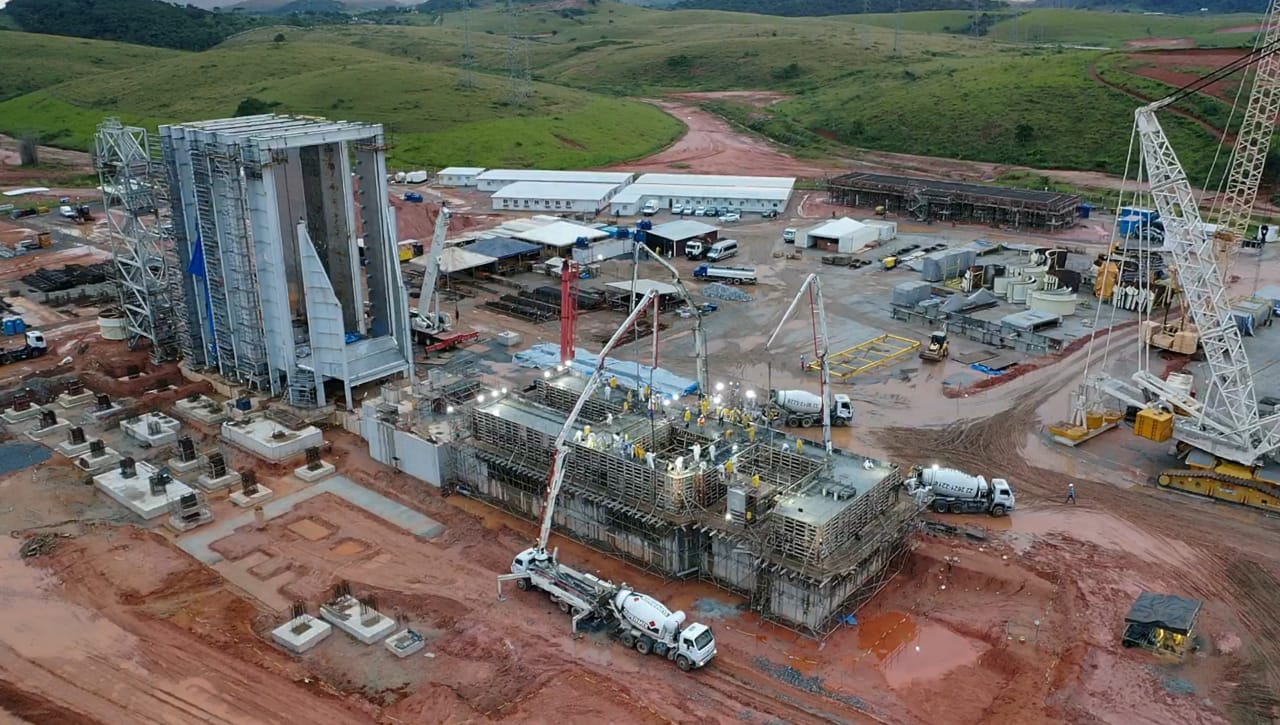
(243, 403)
(1084, 210)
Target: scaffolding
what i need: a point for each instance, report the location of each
(144, 258)
(932, 200)
(804, 538)
(865, 356)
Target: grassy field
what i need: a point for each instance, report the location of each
(29, 62)
(854, 82)
(431, 118)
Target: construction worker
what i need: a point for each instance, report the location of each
(755, 480)
(751, 433)
(1071, 494)
(704, 405)
(801, 362)
(799, 445)
(688, 416)
(702, 421)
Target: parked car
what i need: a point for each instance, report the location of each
(413, 196)
(732, 216)
(700, 211)
(677, 209)
(711, 211)
(770, 214)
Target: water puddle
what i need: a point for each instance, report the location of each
(907, 650)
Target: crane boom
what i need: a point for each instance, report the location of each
(699, 336)
(1253, 142)
(813, 285)
(562, 440)
(428, 301)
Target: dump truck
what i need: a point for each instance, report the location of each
(937, 348)
(729, 275)
(947, 490)
(802, 409)
(35, 346)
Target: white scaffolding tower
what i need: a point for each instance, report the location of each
(132, 194)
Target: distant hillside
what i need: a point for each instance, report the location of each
(1178, 7)
(797, 8)
(143, 22)
(286, 7)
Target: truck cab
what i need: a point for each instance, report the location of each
(789, 235)
(1001, 495)
(650, 208)
(842, 411)
(697, 646)
(695, 249)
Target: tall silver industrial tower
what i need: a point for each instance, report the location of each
(517, 60)
(132, 197)
(288, 244)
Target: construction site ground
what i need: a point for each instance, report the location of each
(1008, 621)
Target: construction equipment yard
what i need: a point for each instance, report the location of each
(513, 485)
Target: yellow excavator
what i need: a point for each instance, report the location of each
(937, 349)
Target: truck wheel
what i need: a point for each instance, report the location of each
(956, 508)
(564, 606)
(644, 645)
(792, 421)
(997, 510)
(660, 649)
(808, 422)
(940, 506)
(522, 585)
(684, 663)
(628, 640)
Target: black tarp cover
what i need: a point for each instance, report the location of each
(1166, 611)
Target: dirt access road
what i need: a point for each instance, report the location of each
(712, 146)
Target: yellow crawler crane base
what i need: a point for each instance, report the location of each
(1205, 475)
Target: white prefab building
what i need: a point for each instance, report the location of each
(548, 196)
(842, 235)
(495, 179)
(761, 182)
(459, 175)
(632, 199)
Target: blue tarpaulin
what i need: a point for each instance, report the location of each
(197, 269)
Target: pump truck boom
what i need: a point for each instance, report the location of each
(822, 344)
(699, 336)
(638, 620)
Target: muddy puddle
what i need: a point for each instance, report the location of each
(906, 650)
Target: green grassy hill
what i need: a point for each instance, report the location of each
(433, 121)
(938, 92)
(29, 62)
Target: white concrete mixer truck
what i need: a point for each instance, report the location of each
(802, 409)
(947, 490)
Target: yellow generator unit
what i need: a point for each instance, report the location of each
(1155, 425)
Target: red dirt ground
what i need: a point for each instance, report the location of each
(1180, 67)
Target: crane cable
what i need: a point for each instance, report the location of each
(1222, 72)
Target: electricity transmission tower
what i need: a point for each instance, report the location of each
(517, 61)
(468, 51)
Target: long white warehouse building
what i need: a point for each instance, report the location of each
(631, 199)
(495, 179)
(545, 196)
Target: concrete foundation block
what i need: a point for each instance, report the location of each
(262, 495)
(67, 402)
(180, 524)
(71, 450)
(219, 483)
(100, 414)
(18, 416)
(140, 429)
(318, 474)
(203, 409)
(135, 493)
(177, 466)
(404, 643)
(37, 434)
(95, 464)
(301, 634)
(345, 615)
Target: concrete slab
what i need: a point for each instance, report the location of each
(301, 634)
(18, 416)
(68, 402)
(197, 544)
(94, 464)
(201, 409)
(178, 466)
(135, 493)
(152, 429)
(107, 413)
(37, 434)
(219, 483)
(311, 475)
(270, 440)
(179, 524)
(72, 450)
(368, 627)
(404, 643)
(262, 495)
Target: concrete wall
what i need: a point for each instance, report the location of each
(406, 451)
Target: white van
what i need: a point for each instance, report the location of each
(721, 251)
(650, 208)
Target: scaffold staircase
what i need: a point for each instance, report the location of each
(302, 388)
(223, 337)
